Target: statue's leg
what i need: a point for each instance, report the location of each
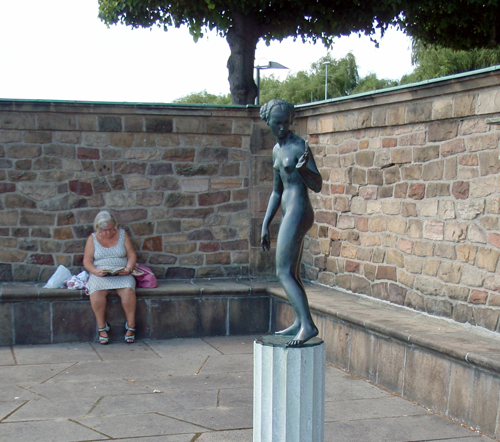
(287, 276)
(288, 259)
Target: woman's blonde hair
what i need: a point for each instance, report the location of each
(102, 219)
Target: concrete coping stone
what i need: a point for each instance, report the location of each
(34, 291)
(467, 344)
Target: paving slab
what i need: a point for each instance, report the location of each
(93, 388)
(227, 436)
(43, 409)
(241, 397)
(9, 407)
(477, 438)
(12, 392)
(198, 382)
(6, 356)
(137, 425)
(232, 344)
(340, 385)
(231, 363)
(182, 390)
(131, 369)
(49, 430)
(185, 346)
(54, 353)
(397, 429)
(218, 418)
(32, 373)
(118, 351)
(160, 402)
(374, 408)
(173, 438)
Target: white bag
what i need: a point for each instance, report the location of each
(57, 279)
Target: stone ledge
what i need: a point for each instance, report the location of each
(110, 108)
(19, 291)
(30, 314)
(463, 342)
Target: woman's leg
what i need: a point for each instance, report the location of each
(129, 302)
(98, 301)
(288, 259)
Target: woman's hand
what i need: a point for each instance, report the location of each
(265, 240)
(99, 272)
(303, 160)
(125, 272)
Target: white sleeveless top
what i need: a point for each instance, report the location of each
(110, 258)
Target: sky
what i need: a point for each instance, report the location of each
(60, 50)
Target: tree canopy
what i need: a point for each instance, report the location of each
(430, 61)
(433, 61)
(203, 97)
(306, 86)
(460, 24)
(243, 23)
(372, 83)
(455, 24)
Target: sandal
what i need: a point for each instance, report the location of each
(104, 340)
(129, 339)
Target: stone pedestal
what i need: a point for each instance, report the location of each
(289, 390)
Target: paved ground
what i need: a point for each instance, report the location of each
(181, 390)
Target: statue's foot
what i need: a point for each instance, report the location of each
(289, 331)
(305, 333)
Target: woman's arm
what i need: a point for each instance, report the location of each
(272, 207)
(131, 257)
(306, 166)
(88, 258)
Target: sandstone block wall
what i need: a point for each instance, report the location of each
(177, 179)
(409, 211)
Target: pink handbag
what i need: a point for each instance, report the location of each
(144, 277)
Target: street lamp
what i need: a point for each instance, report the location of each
(269, 65)
(326, 63)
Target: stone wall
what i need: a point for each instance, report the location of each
(176, 177)
(409, 211)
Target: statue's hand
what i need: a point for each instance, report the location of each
(303, 160)
(265, 240)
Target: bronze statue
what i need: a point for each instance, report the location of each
(294, 172)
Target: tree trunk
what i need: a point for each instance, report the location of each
(242, 38)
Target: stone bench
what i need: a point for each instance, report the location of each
(448, 367)
(30, 314)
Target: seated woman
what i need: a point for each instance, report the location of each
(110, 248)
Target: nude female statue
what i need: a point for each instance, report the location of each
(294, 172)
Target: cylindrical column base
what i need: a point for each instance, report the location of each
(289, 390)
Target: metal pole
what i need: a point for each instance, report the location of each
(257, 98)
(326, 81)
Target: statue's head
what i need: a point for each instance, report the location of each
(267, 108)
(278, 114)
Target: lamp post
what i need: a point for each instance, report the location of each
(269, 65)
(326, 63)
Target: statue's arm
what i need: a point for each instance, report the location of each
(306, 166)
(272, 207)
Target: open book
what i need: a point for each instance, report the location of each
(107, 272)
